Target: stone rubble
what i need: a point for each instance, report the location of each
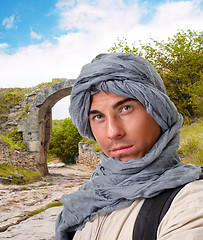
(17, 201)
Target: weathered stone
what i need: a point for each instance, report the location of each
(19, 157)
(88, 156)
(31, 136)
(36, 127)
(18, 176)
(5, 180)
(36, 130)
(33, 146)
(16, 201)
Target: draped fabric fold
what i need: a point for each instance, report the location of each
(117, 184)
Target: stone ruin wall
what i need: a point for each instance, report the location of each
(18, 157)
(88, 156)
(36, 130)
(14, 115)
(23, 158)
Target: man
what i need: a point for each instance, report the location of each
(120, 101)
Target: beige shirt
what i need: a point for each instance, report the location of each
(184, 219)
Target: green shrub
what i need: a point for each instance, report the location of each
(14, 139)
(64, 141)
(179, 62)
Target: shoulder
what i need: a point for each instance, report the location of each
(191, 194)
(185, 215)
(117, 225)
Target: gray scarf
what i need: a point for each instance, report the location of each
(117, 184)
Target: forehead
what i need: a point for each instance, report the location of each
(101, 98)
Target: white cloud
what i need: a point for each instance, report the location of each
(3, 45)
(107, 16)
(65, 4)
(98, 26)
(177, 15)
(8, 22)
(35, 35)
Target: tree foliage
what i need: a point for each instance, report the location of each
(64, 141)
(179, 61)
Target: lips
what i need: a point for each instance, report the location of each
(120, 150)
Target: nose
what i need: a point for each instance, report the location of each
(115, 128)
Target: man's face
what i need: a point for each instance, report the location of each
(122, 126)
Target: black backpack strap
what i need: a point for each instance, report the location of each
(201, 174)
(70, 235)
(151, 214)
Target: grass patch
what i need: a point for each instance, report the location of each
(18, 175)
(48, 84)
(6, 209)
(35, 212)
(191, 143)
(25, 111)
(14, 139)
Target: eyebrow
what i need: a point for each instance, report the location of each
(118, 104)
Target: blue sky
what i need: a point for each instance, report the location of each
(45, 39)
(25, 22)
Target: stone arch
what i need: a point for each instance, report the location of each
(36, 127)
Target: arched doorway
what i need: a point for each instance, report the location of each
(37, 126)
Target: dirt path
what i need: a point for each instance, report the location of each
(17, 201)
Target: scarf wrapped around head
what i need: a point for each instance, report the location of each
(117, 184)
(125, 75)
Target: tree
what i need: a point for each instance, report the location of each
(64, 141)
(179, 62)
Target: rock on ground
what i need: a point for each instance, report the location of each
(38, 227)
(17, 201)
